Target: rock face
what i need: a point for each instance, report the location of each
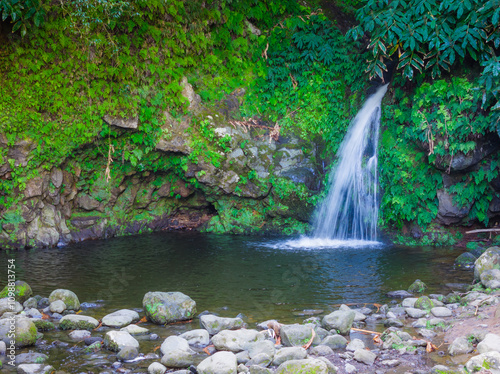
(167, 307)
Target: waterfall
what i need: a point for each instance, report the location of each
(350, 211)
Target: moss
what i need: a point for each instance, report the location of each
(43, 325)
(27, 338)
(76, 325)
(22, 291)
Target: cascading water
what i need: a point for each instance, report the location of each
(350, 211)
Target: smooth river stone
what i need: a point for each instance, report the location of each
(120, 318)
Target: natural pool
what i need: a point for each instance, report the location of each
(261, 277)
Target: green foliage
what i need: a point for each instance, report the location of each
(431, 35)
(22, 14)
(311, 78)
(424, 132)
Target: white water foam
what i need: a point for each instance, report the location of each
(307, 243)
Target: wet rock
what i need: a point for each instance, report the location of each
(398, 294)
(57, 306)
(491, 342)
(289, 353)
(6, 306)
(487, 261)
(339, 320)
(491, 278)
(417, 287)
(43, 302)
(409, 302)
(35, 369)
(135, 330)
(235, 340)
(120, 318)
(415, 313)
(156, 368)
(78, 335)
(218, 363)
(295, 335)
(393, 322)
(466, 260)
(32, 302)
(306, 366)
(167, 307)
(127, 353)
(349, 369)
(117, 340)
(358, 317)
(177, 353)
(68, 297)
(424, 303)
(488, 360)
(460, 346)
(448, 211)
(365, 356)
(22, 291)
(335, 341)
(441, 312)
(355, 344)
(78, 322)
(214, 324)
(25, 330)
(321, 350)
(92, 340)
(31, 358)
(197, 338)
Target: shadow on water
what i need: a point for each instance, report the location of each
(260, 277)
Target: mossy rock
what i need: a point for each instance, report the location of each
(168, 307)
(22, 291)
(43, 325)
(417, 287)
(466, 260)
(451, 298)
(424, 303)
(68, 297)
(78, 322)
(487, 261)
(306, 366)
(26, 332)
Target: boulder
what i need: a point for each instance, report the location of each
(219, 363)
(339, 320)
(127, 353)
(176, 353)
(262, 346)
(57, 306)
(79, 335)
(295, 335)
(135, 330)
(120, 318)
(423, 302)
(409, 302)
(487, 261)
(417, 287)
(156, 368)
(415, 313)
(21, 291)
(490, 343)
(214, 324)
(31, 358)
(448, 211)
(289, 353)
(68, 297)
(78, 322)
(261, 359)
(25, 331)
(489, 361)
(441, 311)
(490, 278)
(460, 346)
(321, 350)
(364, 356)
(167, 307)
(306, 366)
(7, 306)
(235, 340)
(35, 369)
(117, 340)
(197, 338)
(335, 341)
(466, 260)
